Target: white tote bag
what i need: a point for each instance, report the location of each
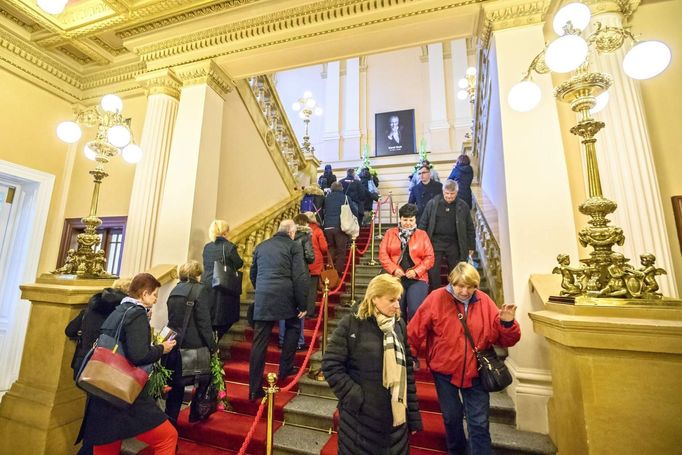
(349, 223)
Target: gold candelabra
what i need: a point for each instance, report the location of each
(605, 273)
(306, 107)
(113, 136)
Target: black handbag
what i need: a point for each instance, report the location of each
(492, 371)
(195, 361)
(225, 278)
(204, 404)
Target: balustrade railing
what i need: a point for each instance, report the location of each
(489, 253)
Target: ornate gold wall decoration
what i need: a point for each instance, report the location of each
(501, 15)
(208, 73)
(162, 81)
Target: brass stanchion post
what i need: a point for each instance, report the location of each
(271, 390)
(317, 374)
(378, 235)
(371, 260)
(352, 273)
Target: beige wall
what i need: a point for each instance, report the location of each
(249, 182)
(661, 21)
(28, 120)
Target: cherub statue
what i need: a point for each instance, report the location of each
(619, 271)
(648, 276)
(99, 264)
(571, 277)
(70, 265)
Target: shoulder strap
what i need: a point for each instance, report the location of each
(120, 327)
(224, 260)
(191, 297)
(462, 319)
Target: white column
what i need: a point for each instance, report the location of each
(364, 128)
(535, 208)
(463, 108)
(438, 125)
(626, 165)
(351, 110)
(162, 107)
(330, 139)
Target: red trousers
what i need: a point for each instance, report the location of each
(162, 439)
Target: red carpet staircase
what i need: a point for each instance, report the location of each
(306, 418)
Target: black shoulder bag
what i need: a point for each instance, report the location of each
(491, 369)
(195, 361)
(226, 278)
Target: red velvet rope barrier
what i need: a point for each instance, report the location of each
(369, 240)
(343, 277)
(252, 430)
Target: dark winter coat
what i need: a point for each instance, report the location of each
(354, 190)
(199, 331)
(104, 423)
(463, 175)
(224, 307)
(332, 209)
(280, 277)
(421, 194)
(464, 226)
(84, 328)
(369, 196)
(353, 367)
(303, 236)
(326, 180)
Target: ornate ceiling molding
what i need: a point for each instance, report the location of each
(162, 81)
(624, 7)
(505, 14)
(208, 73)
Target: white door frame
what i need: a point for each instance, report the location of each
(37, 189)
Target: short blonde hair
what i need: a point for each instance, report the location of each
(122, 284)
(190, 269)
(465, 274)
(380, 286)
(218, 228)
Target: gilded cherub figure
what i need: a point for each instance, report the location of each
(619, 272)
(70, 266)
(648, 276)
(571, 277)
(99, 264)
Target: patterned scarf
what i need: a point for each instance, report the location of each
(394, 371)
(404, 236)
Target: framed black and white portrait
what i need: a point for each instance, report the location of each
(394, 133)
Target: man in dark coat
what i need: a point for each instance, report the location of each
(447, 221)
(279, 275)
(336, 238)
(463, 174)
(425, 190)
(355, 192)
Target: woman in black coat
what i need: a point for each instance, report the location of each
(224, 307)
(374, 384)
(463, 174)
(106, 425)
(199, 333)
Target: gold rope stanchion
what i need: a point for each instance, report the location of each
(271, 390)
(371, 260)
(390, 214)
(318, 375)
(352, 273)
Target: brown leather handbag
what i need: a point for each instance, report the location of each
(329, 273)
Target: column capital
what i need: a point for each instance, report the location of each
(161, 81)
(206, 72)
(624, 7)
(509, 14)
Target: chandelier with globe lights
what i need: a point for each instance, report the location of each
(605, 273)
(467, 86)
(113, 137)
(306, 107)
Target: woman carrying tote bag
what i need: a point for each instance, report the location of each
(106, 425)
(224, 307)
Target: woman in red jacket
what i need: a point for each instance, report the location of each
(406, 252)
(321, 249)
(450, 356)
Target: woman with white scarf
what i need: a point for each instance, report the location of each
(368, 366)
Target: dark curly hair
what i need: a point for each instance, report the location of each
(407, 211)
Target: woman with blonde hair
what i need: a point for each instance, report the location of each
(224, 307)
(368, 365)
(440, 321)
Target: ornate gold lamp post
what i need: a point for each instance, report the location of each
(306, 107)
(467, 86)
(605, 273)
(113, 136)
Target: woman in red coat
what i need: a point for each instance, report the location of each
(321, 249)
(406, 253)
(451, 358)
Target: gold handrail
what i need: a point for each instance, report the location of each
(489, 251)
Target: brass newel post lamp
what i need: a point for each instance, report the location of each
(467, 86)
(605, 273)
(306, 107)
(113, 136)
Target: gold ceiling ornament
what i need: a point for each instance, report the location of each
(501, 15)
(206, 72)
(162, 81)
(606, 272)
(113, 136)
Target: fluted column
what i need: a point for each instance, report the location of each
(351, 110)
(332, 91)
(163, 92)
(626, 162)
(438, 126)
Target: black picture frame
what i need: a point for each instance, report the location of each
(391, 139)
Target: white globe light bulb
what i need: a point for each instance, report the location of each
(310, 103)
(471, 71)
(118, 136)
(307, 94)
(318, 110)
(69, 132)
(577, 13)
(602, 101)
(462, 83)
(296, 106)
(111, 103)
(524, 96)
(646, 60)
(132, 153)
(301, 115)
(89, 153)
(52, 6)
(461, 95)
(566, 53)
